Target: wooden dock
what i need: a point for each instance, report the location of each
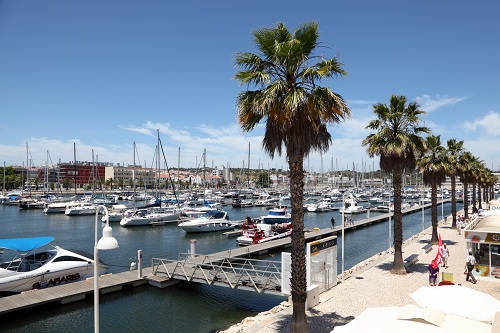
(109, 283)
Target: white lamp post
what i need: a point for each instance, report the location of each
(343, 209)
(107, 242)
(390, 238)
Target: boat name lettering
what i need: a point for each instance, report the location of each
(57, 280)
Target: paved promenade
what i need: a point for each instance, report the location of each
(370, 284)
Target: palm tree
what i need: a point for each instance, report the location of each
(455, 149)
(296, 111)
(432, 164)
(398, 143)
(464, 168)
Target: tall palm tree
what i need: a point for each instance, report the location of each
(433, 167)
(454, 150)
(465, 169)
(297, 111)
(477, 167)
(398, 142)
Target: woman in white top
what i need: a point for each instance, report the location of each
(446, 254)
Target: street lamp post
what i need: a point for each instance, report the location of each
(343, 208)
(107, 242)
(390, 238)
(442, 204)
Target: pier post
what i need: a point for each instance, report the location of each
(139, 263)
(192, 242)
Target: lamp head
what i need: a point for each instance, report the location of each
(107, 242)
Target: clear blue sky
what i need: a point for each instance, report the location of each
(104, 74)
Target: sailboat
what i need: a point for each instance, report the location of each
(156, 215)
(87, 206)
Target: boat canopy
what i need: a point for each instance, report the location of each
(25, 244)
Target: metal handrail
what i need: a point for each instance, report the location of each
(262, 275)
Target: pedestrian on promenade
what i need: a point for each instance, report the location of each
(469, 265)
(459, 226)
(333, 222)
(350, 221)
(446, 254)
(433, 270)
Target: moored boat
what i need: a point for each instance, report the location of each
(34, 267)
(214, 220)
(277, 215)
(256, 233)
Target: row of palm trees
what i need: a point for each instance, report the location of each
(282, 90)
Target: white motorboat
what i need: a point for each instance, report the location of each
(240, 203)
(34, 267)
(323, 205)
(58, 207)
(261, 232)
(115, 213)
(12, 198)
(196, 208)
(81, 208)
(266, 200)
(277, 215)
(352, 207)
(214, 220)
(32, 203)
(151, 216)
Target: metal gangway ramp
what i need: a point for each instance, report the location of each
(262, 276)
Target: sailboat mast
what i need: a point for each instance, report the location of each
(93, 176)
(74, 165)
(133, 177)
(158, 165)
(27, 169)
(248, 169)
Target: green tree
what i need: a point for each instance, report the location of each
(454, 150)
(433, 167)
(398, 142)
(465, 173)
(264, 180)
(110, 182)
(296, 110)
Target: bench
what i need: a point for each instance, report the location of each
(411, 260)
(427, 248)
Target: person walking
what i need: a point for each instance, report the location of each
(433, 270)
(459, 226)
(446, 254)
(469, 265)
(333, 222)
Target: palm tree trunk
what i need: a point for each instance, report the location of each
(474, 194)
(434, 213)
(454, 201)
(466, 200)
(479, 197)
(298, 280)
(398, 266)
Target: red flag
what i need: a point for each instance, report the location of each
(439, 255)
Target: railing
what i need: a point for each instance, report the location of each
(263, 276)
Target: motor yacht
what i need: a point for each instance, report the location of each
(214, 220)
(35, 267)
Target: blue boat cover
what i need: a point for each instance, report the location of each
(25, 244)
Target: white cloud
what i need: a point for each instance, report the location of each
(489, 125)
(429, 104)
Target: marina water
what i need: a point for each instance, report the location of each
(185, 308)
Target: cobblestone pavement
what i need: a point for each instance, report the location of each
(370, 284)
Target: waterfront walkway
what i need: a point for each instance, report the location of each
(370, 284)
